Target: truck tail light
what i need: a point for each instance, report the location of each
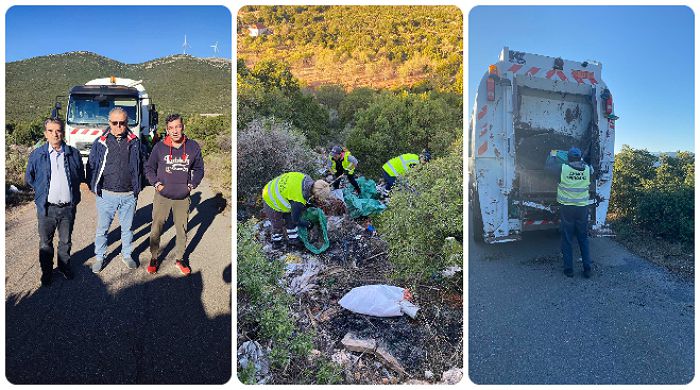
(491, 83)
(609, 105)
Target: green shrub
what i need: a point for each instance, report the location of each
(212, 133)
(421, 215)
(667, 213)
(270, 90)
(22, 133)
(264, 305)
(399, 123)
(654, 194)
(16, 158)
(267, 148)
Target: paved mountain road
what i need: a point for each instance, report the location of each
(632, 322)
(121, 325)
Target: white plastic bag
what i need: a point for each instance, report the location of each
(378, 300)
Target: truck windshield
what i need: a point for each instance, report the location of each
(87, 110)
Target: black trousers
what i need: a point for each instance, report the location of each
(351, 179)
(61, 219)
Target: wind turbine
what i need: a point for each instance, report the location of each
(185, 45)
(215, 47)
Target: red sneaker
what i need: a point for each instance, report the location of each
(152, 266)
(184, 268)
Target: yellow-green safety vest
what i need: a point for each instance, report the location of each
(397, 166)
(280, 190)
(573, 186)
(345, 163)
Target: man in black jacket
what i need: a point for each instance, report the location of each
(174, 168)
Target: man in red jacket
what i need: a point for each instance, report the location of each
(174, 168)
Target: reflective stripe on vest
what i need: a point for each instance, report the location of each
(573, 186)
(280, 190)
(345, 163)
(399, 165)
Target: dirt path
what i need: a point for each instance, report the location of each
(631, 323)
(121, 326)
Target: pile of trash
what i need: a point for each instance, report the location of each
(376, 329)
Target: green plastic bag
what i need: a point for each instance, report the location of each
(316, 217)
(364, 205)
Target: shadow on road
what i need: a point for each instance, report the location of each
(79, 331)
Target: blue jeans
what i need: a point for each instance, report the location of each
(574, 223)
(107, 206)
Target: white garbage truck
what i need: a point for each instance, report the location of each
(526, 106)
(87, 113)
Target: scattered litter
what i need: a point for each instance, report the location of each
(451, 271)
(14, 189)
(251, 352)
(379, 300)
(452, 376)
(303, 283)
(338, 194)
(352, 343)
(428, 374)
(292, 262)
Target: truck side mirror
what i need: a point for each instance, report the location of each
(55, 109)
(153, 115)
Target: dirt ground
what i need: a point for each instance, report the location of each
(674, 256)
(426, 346)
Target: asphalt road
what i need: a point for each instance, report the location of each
(121, 326)
(631, 323)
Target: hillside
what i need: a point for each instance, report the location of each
(359, 46)
(179, 83)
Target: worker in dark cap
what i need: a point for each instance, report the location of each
(572, 194)
(341, 162)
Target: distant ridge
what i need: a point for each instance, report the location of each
(177, 83)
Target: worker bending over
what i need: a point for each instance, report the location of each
(286, 197)
(398, 166)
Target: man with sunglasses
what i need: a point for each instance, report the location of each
(114, 176)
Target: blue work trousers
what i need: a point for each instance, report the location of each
(574, 223)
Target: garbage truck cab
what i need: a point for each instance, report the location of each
(526, 106)
(87, 113)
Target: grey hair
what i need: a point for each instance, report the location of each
(55, 120)
(119, 110)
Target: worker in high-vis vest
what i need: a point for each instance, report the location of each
(340, 162)
(398, 166)
(572, 194)
(286, 198)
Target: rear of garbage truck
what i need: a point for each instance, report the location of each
(526, 106)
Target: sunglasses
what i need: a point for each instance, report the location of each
(118, 123)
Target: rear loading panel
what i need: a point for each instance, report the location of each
(547, 118)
